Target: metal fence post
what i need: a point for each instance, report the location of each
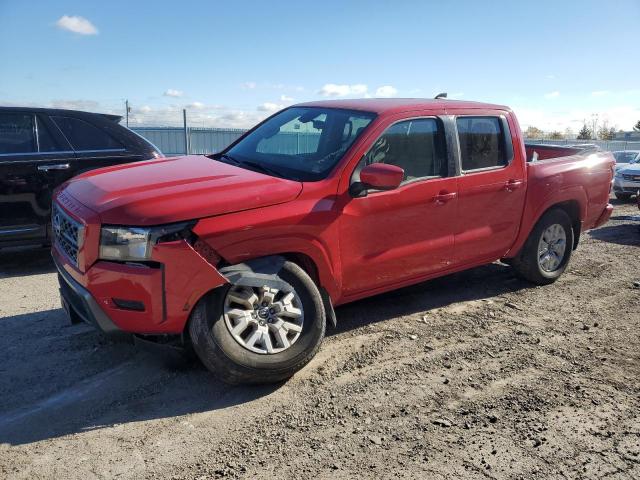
(186, 131)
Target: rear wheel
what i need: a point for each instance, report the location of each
(261, 328)
(547, 251)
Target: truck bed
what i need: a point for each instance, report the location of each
(583, 177)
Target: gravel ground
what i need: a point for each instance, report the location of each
(473, 375)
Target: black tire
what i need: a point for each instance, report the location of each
(526, 264)
(233, 363)
(623, 196)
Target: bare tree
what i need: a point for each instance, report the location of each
(533, 132)
(555, 135)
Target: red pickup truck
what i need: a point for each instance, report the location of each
(244, 254)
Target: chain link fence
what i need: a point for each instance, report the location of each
(610, 145)
(184, 133)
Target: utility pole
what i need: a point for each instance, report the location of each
(595, 125)
(186, 132)
(127, 109)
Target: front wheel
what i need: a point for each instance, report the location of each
(547, 251)
(262, 327)
(623, 196)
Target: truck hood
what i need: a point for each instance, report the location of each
(169, 190)
(630, 169)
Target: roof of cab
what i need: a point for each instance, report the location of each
(396, 105)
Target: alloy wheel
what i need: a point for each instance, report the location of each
(263, 319)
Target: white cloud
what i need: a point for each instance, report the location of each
(249, 85)
(555, 94)
(551, 76)
(171, 92)
(286, 99)
(86, 105)
(623, 117)
(76, 24)
(335, 90)
(386, 91)
(145, 109)
(196, 105)
(269, 107)
(600, 93)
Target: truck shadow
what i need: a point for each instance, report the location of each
(74, 381)
(475, 284)
(622, 234)
(57, 379)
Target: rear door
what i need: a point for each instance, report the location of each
(94, 145)
(491, 187)
(27, 150)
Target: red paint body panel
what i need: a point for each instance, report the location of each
(357, 246)
(175, 189)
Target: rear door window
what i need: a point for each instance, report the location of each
(482, 142)
(47, 143)
(84, 136)
(17, 133)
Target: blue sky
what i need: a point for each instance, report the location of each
(231, 63)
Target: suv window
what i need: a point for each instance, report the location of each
(417, 146)
(482, 142)
(84, 136)
(46, 141)
(16, 133)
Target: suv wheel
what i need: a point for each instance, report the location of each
(262, 327)
(547, 251)
(623, 196)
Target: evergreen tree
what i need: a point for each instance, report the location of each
(584, 133)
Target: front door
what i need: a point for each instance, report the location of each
(26, 154)
(390, 237)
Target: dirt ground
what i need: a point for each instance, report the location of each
(473, 375)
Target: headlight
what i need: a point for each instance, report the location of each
(123, 243)
(618, 174)
(135, 243)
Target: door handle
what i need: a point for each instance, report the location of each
(512, 185)
(55, 166)
(444, 197)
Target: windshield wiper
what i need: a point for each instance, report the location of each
(251, 165)
(260, 168)
(228, 157)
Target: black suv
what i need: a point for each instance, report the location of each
(39, 149)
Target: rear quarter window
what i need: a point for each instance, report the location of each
(483, 142)
(85, 136)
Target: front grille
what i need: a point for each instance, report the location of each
(68, 233)
(635, 178)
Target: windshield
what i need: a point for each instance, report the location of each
(299, 143)
(625, 157)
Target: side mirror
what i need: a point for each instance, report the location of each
(377, 176)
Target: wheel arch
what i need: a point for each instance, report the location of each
(307, 263)
(572, 201)
(572, 209)
(271, 264)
